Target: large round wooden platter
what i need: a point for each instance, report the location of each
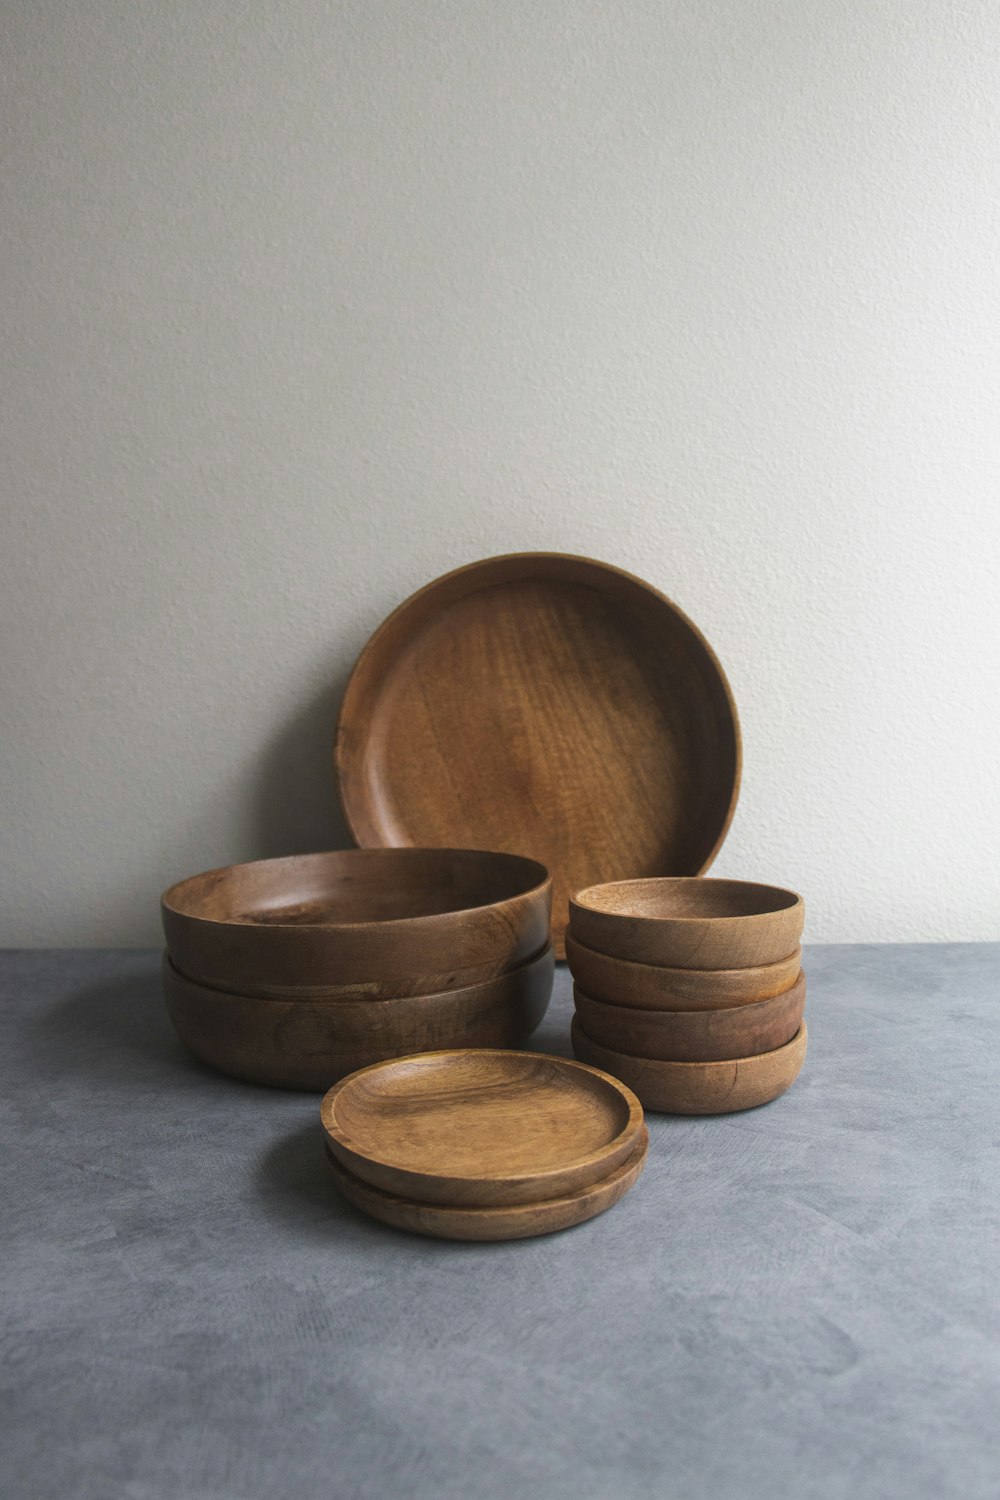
(481, 1128)
(546, 705)
(519, 1221)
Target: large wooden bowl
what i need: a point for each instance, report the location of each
(694, 1035)
(390, 922)
(689, 924)
(652, 987)
(481, 1129)
(309, 1044)
(548, 704)
(690, 1088)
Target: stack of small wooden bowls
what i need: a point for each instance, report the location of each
(690, 990)
(294, 972)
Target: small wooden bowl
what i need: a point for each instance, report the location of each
(519, 1221)
(309, 1044)
(395, 921)
(651, 987)
(478, 1129)
(689, 923)
(712, 1088)
(694, 1035)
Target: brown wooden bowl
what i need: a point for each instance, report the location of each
(309, 1044)
(393, 922)
(694, 1035)
(652, 987)
(519, 1221)
(476, 1129)
(690, 1088)
(689, 924)
(549, 704)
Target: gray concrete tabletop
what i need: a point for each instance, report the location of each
(800, 1301)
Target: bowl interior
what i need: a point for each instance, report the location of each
(355, 886)
(667, 900)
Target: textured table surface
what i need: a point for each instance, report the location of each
(800, 1301)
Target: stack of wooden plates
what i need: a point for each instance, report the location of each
(690, 990)
(294, 972)
(483, 1145)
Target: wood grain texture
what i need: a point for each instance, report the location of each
(694, 1035)
(689, 924)
(546, 704)
(713, 1088)
(308, 1044)
(513, 1222)
(652, 987)
(481, 1128)
(383, 922)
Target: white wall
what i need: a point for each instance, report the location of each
(307, 303)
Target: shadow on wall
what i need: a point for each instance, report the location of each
(298, 810)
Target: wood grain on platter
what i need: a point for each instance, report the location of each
(546, 704)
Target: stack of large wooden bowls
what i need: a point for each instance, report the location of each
(690, 990)
(294, 972)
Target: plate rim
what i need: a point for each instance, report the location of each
(612, 1152)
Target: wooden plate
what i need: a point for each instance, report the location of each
(549, 705)
(694, 1035)
(652, 987)
(689, 924)
(391, 921)
(711, 1088)
(309, 1043)
(475, 1128)
(516, 1222)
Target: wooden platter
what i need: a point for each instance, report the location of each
(309, 1043)
(549, 705)
(711, 1088)
(478, 1128)
(694, 1035)
(390, 922)
(514, 1222)
(653, 987)
(689, 924)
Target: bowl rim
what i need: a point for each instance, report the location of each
(783, 908)
(168, 902)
